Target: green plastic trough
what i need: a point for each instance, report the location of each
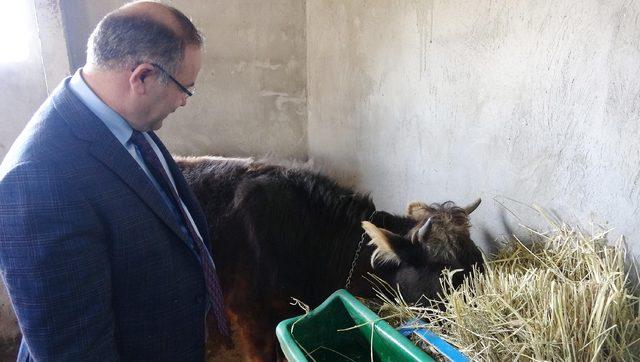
(329, 333)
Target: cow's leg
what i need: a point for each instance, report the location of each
(257, 326)
(252, 321)
(253, 337)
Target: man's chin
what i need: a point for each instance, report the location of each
(157, 125)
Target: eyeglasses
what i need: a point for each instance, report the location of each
(187, 91)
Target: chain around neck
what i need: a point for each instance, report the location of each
(357, 255)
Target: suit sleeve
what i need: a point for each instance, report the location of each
(55, 264)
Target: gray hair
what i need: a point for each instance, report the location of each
(123, 41)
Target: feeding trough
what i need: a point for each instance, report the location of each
(343, 329)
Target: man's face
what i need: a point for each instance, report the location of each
(166, 98)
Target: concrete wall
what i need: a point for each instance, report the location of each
(251, 92)
(435, 100)
(23, 86)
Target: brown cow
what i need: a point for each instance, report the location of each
(280, 232)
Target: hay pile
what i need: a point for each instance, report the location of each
(562, 295)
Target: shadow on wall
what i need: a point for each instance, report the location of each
(492, 238)
(515, 218)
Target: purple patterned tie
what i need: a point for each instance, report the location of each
(211, 279)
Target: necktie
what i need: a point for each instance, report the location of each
(210, 277)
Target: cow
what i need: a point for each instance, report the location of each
(288, 231)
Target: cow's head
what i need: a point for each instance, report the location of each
(433, 237)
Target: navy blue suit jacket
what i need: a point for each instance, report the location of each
(95, 262)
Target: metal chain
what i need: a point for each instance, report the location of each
(355, 258)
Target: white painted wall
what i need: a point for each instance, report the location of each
(23, 87)
(538, 101)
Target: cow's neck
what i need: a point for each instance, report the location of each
(361, 280)
(360, 286)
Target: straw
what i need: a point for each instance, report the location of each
(560, 295)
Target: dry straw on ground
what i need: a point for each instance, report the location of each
(562, 295)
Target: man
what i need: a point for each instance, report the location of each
(103, 248)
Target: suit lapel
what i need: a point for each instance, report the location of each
(108, 150)
(114, 156)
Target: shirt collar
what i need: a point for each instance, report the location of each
(116, 124)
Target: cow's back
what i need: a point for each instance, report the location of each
(282, 231)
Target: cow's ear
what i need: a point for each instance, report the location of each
(418, 210)
(387, 244)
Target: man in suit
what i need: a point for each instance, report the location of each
(103, 247)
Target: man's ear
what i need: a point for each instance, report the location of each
(138, 77)
(388, 245)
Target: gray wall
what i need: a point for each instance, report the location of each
(22, 88)
(251, 92)
(536, 101)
